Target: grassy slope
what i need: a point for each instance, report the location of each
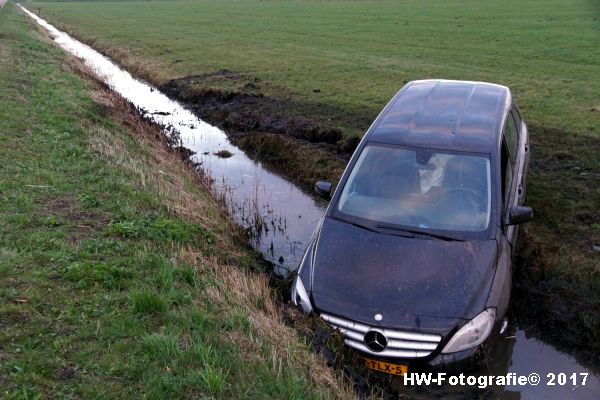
(119, 277)
(359, 53)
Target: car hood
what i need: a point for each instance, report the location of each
(414, 283)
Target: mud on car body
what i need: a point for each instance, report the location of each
(412, 261)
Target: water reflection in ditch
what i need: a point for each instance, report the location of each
(280, 216)
(283, 217)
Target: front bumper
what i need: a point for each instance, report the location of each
(461, 361)
(420, 351)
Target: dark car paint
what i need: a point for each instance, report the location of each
(359, 273)
(499, 295)
(323, 286)
(457, 116)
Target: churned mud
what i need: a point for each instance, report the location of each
(270, 130)
(246, 109)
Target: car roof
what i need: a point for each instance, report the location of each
(444, 114)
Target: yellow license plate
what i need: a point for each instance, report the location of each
(389, 368)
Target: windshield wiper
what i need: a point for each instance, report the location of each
(413, 233)
(397, 231)
(368, 228)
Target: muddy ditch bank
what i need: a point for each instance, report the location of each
(273, 131)
(244, 108)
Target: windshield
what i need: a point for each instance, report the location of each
(419, 188)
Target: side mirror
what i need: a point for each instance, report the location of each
(323, 189)
(519, 215)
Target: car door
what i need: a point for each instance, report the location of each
(500, 293)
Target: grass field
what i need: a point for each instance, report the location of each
(340, 61)
(119, 277)
(359, 53)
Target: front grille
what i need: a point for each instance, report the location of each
(401, 344)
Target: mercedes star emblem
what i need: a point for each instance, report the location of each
(375, 340)
(378, 317)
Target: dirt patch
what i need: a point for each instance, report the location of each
(12, 317)
(70, 213)
(66, 373)
(246, 109)
(304, 163)
(223, 154)
(184, 152)
(245, 114)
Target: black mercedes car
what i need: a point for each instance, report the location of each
(412, 261)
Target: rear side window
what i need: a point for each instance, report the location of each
(511, 135)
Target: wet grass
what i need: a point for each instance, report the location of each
(119, 276)
(340, 61)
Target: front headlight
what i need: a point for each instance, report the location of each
(300, 296)
(473, 333)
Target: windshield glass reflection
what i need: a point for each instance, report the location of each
(419, 188)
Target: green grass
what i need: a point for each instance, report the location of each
(105, 291)
(359, 53)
